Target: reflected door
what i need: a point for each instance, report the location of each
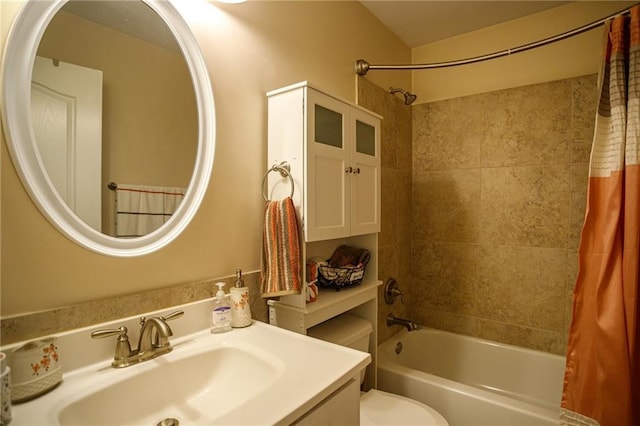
(66, 104)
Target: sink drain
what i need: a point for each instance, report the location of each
(398, 348)
(169, 422)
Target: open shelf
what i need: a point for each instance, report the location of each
(329, 304)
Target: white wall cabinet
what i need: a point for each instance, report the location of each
(337, 148)
(333, 150)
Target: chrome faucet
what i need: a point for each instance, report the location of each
(153, 341)
(393, 320)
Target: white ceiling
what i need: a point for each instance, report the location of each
(416, 22)
(420, 22)
(130, 17)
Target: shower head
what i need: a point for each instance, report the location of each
(409, 97)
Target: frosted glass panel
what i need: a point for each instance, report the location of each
(328, 128)
(365, 138)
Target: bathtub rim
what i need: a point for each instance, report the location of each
(385, 362)
(490, 342)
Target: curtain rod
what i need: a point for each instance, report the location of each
(362, 66)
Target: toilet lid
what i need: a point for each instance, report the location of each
(382, 408)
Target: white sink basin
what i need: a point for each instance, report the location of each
(194, 389)
(256, 375)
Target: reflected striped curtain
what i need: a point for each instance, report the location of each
(602, 378)
(142, 209)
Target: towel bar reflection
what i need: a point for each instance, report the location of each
(284, 169)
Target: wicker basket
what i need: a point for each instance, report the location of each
(339, 277)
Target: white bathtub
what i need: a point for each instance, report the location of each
(472, 381)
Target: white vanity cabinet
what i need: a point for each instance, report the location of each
(333, 150)
(341, 408)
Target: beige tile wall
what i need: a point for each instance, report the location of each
(498, 197)
(394, 240)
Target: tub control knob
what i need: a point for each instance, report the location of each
(392, 291)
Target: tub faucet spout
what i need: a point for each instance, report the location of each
(393, 320)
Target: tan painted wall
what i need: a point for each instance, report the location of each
(249, 49)
(579, 55)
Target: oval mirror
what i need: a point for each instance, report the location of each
(188, 124)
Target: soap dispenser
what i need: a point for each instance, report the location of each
(240, 310)
(221, 313)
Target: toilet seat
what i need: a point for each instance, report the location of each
(383, 408)
(376, 407)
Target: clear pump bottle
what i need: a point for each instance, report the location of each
(221, 313)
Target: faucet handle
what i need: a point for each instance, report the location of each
(173, 315)
(100, 334)
(123, 347)
(392, 291)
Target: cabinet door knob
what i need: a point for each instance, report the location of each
(356, 170)
(349, 170)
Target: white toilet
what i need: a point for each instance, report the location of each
(376, 407)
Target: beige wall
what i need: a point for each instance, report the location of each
(150, 122)
(394, 240)
(500, 160)
(497, 188)
(249, 49)
(579, 55)
(254, 47)
(499, 193)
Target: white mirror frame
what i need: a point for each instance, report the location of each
(18, 60)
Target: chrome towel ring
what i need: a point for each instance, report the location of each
(284, 169)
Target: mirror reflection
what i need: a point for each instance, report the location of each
(113, 103)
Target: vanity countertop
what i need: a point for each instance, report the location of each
(281, 375)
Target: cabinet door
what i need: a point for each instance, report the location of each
(328, 192)
(365, 177)
(341, 408)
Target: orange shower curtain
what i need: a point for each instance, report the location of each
(602, 378)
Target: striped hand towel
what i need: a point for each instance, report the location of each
(281, 265)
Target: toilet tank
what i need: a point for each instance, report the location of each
(345, 330)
